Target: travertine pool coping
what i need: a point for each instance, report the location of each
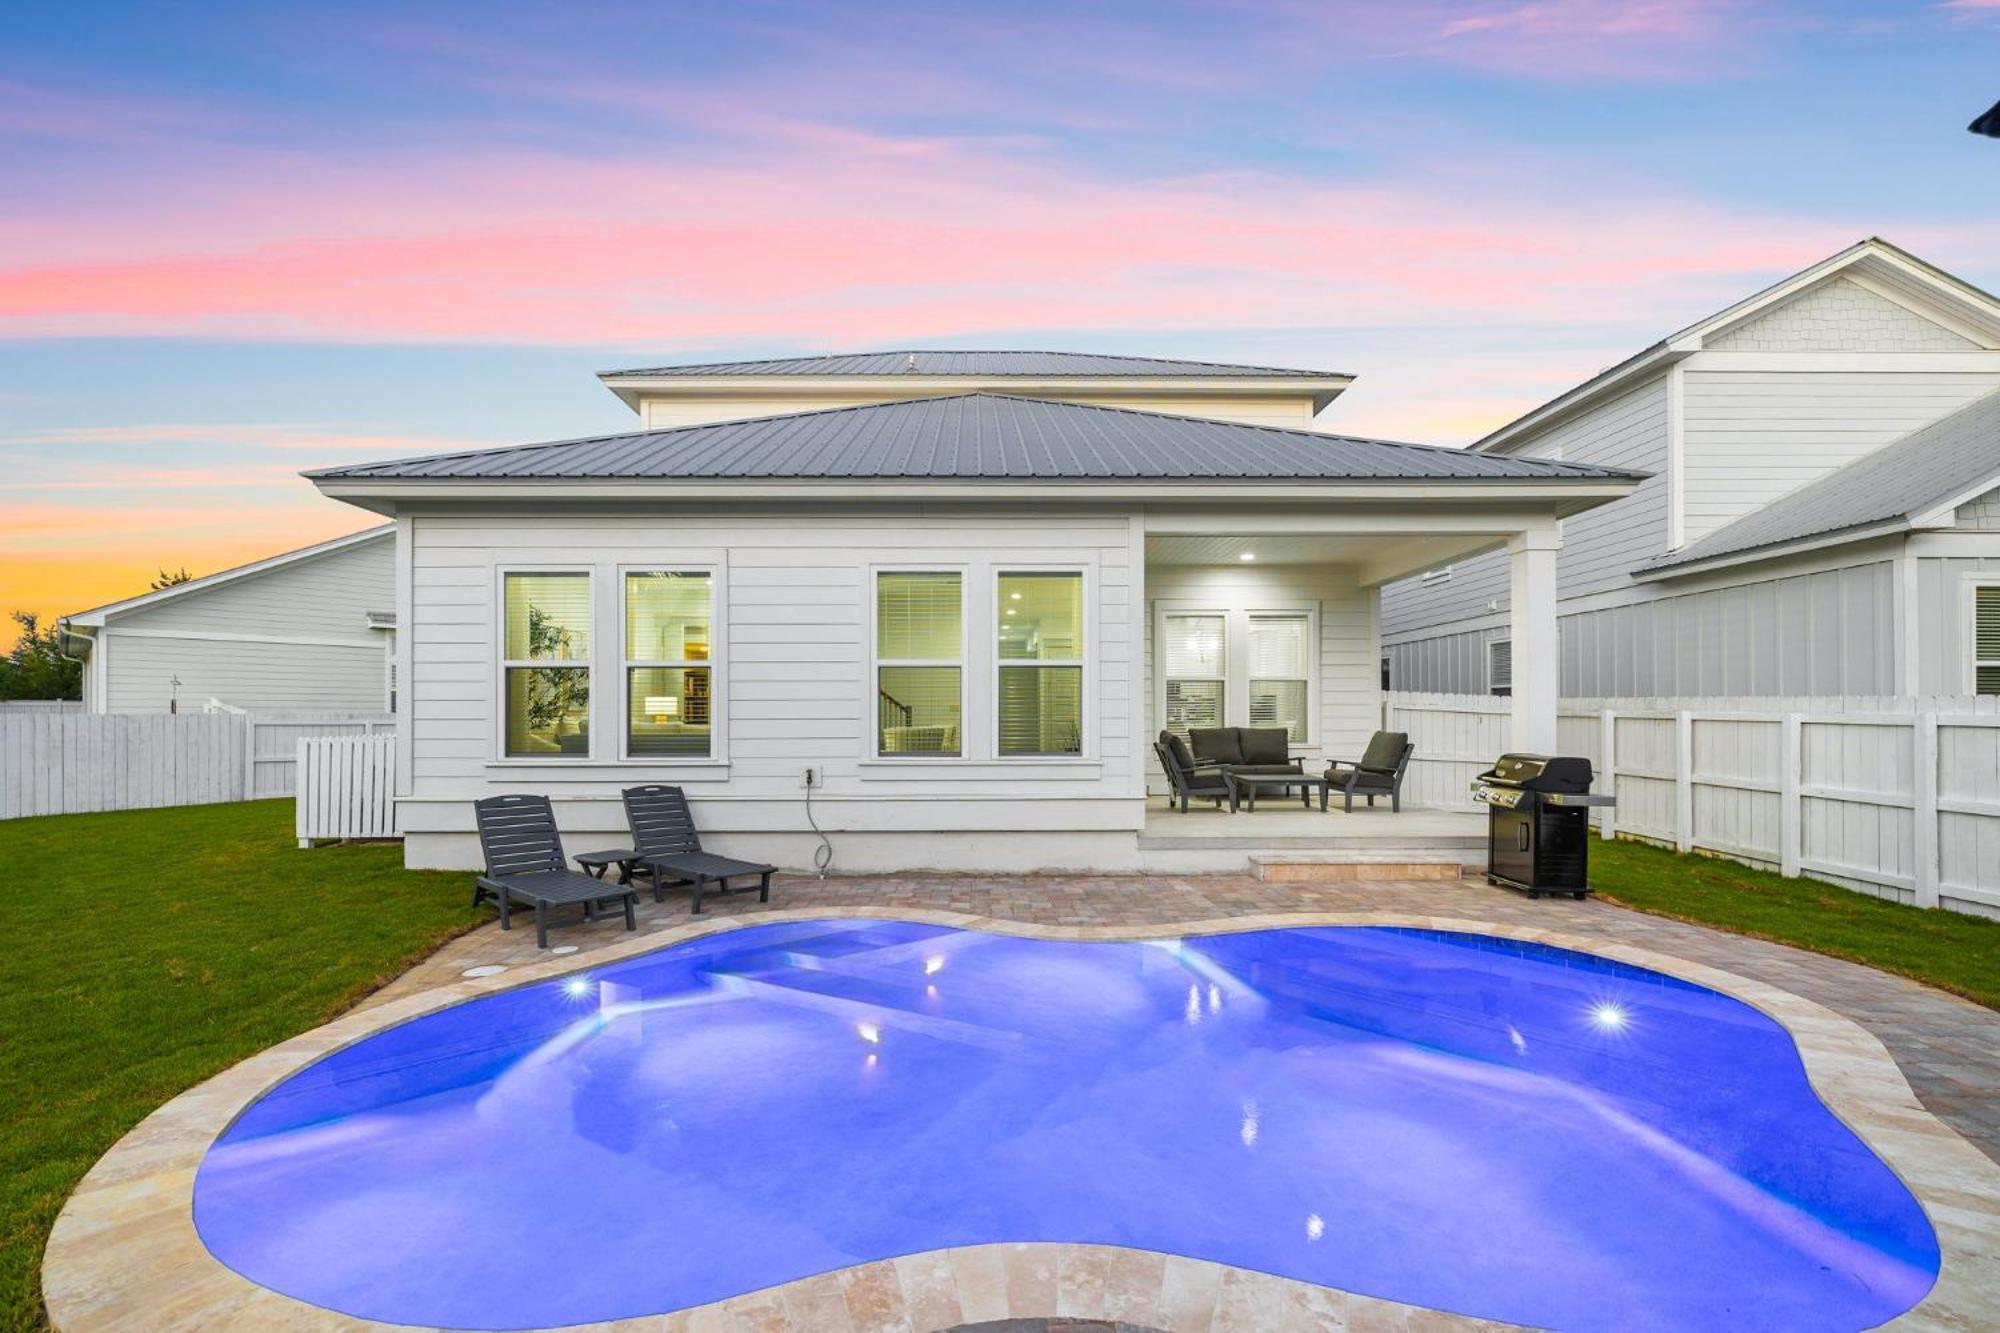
(124, 1254)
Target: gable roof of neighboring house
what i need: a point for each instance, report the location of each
(97, 615)
(973, 438)
(1915, 482)
(949, 362)
(1889, 270)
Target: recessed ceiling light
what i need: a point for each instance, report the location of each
(1247, 556)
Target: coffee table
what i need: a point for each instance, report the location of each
(1244, 786)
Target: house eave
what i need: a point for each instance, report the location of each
(631, 389)
(96, 616)
(1775, 551)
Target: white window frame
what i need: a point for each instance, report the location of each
(1236, 686)
(993, 662)
(1166, 611)
(718, 697)
(1969, 587)
(498, 648)
(871, 740)
(1493, 647)
(1311, 677)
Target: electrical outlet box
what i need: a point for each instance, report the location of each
(812, 777)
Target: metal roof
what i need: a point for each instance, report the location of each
(1929, 467)
(949, 362)
(975, 437)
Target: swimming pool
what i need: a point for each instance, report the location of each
(1480, 1125)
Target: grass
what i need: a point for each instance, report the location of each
(142, 951)
(1948, 950)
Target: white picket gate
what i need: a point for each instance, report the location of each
(346, 788)
(1897, 797)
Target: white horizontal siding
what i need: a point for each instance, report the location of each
(257, 676)
(1290, 411)
(325, 596)
(1752, 436)
(794, 668)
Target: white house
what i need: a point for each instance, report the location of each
(1822, 516)
(308, 629)
(959, 590)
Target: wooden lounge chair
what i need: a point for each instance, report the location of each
(1190, 779)
(525, 864)
(667, 848)
(1379, 771)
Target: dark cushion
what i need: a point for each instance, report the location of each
(1264, 745)
(1267, 770)
(1340, 775)
(1216, 745)
(1385, 748)
(1178, 749)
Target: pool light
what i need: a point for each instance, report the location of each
(1315, 1226)
(1609, 1016)
(934, 965)
(576, 987)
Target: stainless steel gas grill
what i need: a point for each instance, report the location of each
(1538, 823)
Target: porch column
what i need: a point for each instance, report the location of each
(1537, 667)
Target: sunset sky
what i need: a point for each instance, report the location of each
(237, 241)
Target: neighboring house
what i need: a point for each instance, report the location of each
(1823, 516)
(965, 614)
(309, 629)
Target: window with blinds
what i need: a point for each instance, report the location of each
(919, 663)
(1500, 667)
(1039, 663)
(669, 680)
(1280, 653)
(1194, 655)
(545, 665)
(1986, 638)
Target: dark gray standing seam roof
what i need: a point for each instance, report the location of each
(977, 437)
(919, 362)
(1922, 470)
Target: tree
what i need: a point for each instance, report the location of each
(174, 579)
(36, 668)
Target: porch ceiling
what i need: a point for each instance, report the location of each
(1380, 557)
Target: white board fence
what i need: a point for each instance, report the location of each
(347, 788)
(56, 763)
(1898, 797)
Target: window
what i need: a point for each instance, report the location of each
(1280, 649)
(1500, 666)
(1040, 663)
(669, 680)
(547, 706)
(1194, 652)
(1385, 671)
(919, 663)
(1986, 638)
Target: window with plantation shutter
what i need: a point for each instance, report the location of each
(919, 662)
(1194, 654)
(1500, 667)
(1986, 638)
(1039, 646)
(1280, 650)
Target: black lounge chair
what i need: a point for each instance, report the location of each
(1379, 772)
(667, 848)
(1190, 779)
(525, 863)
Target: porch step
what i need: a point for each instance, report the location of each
(1380, 863)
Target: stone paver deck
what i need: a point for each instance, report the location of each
(125, 1253)
(1948, 1048)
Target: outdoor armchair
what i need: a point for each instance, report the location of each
(1379, 771)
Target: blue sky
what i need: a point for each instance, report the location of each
(244, 240)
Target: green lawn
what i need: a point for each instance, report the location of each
(142, 951)
(1948, 950)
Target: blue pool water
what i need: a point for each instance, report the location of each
(1482, 1126)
